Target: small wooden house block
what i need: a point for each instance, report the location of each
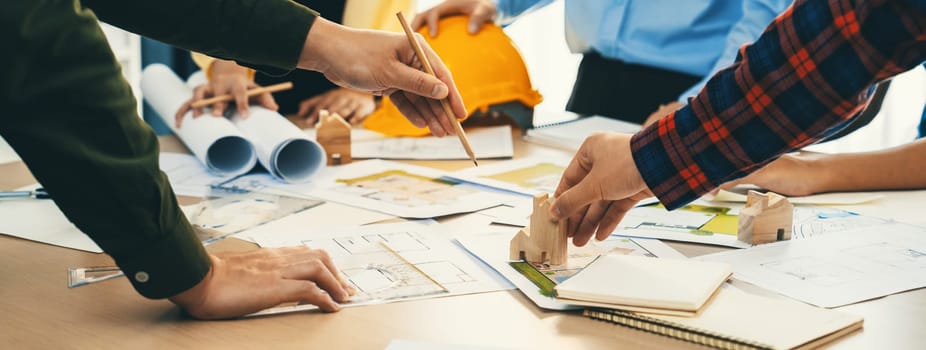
(766, 218)
(333, 134)
(544, 240)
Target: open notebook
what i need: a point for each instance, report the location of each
(639, 283)
(570, 134)
(734, 319)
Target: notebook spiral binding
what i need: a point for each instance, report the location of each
(672, 330)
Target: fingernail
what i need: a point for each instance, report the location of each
(439, 91)
(556, 211)
(473, 27)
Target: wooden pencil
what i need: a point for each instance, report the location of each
(257, 91)
(444, 103)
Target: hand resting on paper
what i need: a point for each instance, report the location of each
(228, 78)
(243, 283)
(598, 187)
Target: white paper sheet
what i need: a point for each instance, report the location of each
(570, 134)
(7, 154)
(416, 243)
(40, 220)
(216, 142)
(492, 249)
(233, 147)
(836, 270)
(325, 216)
(491, 142)
(402, 190)
(739, 195)
(526, 175)
(187, 175)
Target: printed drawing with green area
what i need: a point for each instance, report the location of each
(402, 190)
(529, 175)
(717, 223)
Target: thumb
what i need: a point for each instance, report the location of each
(418, 82)
(575, 198)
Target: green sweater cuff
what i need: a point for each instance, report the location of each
(166, 267)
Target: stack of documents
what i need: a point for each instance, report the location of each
(637, 283)
(570, 134)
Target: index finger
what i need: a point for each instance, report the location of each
(442, 73)
(578, 168)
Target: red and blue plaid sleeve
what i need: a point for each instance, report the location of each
(809, 72)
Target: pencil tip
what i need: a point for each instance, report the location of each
(475, 163)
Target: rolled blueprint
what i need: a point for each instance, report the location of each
(214, 141)
(287, 152)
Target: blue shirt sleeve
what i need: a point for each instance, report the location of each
(757, 15)
(509, 10)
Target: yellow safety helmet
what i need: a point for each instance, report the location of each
(487, 69)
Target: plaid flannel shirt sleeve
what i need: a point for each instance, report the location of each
(808, 72)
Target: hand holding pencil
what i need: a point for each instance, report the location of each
(229, 83)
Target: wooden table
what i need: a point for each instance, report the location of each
(39, 311)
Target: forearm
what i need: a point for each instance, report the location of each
(757, 14)
(71, 117)
(256, 33)
(779, 97)
(902, 167)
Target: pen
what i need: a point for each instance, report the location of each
(38, 193)
(443, 102)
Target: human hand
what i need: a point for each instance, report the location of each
(352, 105)
(789, 175)
(227, 78)
(663, 111)
(598, 187)
(243, 283)
(479, 12)
(383, 63)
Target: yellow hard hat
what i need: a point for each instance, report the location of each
(487, 69)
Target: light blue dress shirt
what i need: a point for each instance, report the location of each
(697, 37)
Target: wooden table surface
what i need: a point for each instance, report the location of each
(37, 310)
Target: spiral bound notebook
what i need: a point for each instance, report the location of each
(738, 320)
(571, 133)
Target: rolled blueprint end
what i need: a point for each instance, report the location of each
(216, 142)
(298, 160)
(230, 155)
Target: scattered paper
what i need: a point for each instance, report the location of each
(489, 142)
(325, 216)
(836, 270)
(570, 134)
(528, 176)
(40, 220)
(492, 249)
(402, 190)
(739, 195)
(360, 255)
(722, 223)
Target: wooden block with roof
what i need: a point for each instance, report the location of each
(333, 134)
(544, 239)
